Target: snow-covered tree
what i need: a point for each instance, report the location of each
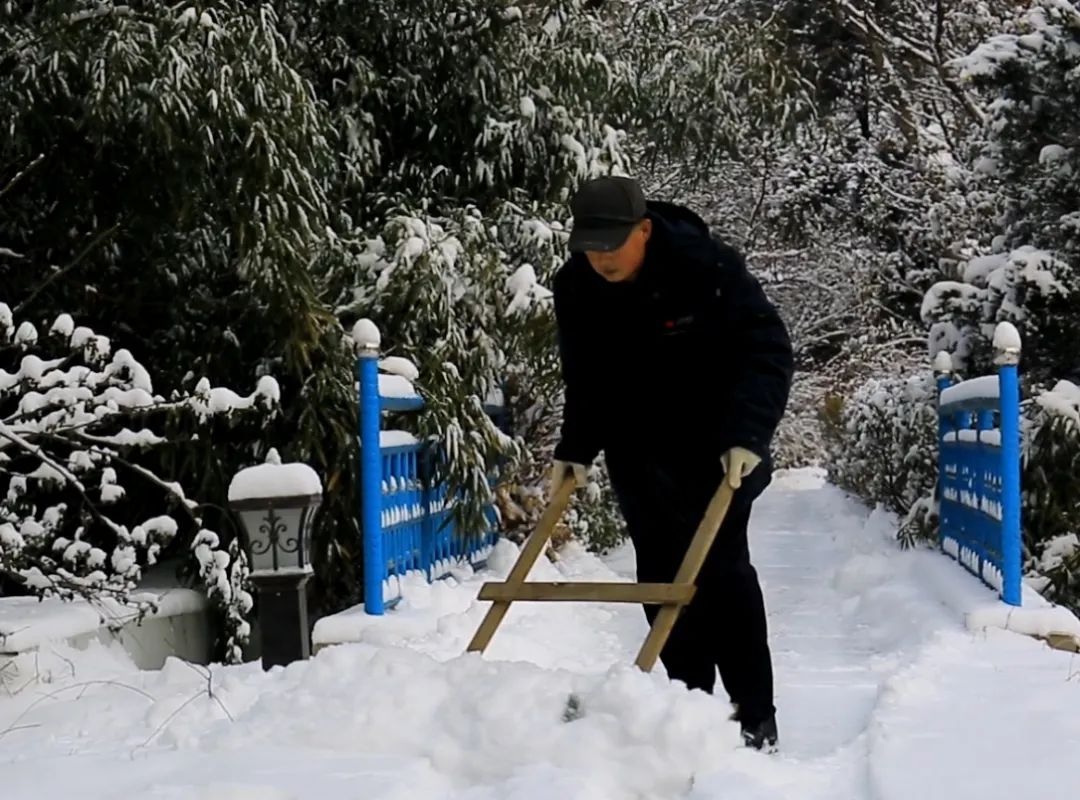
(85, 506)
(164, 178)
(1023, 268)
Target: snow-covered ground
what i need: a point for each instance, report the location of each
(882, 690)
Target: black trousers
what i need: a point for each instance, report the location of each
(724, 627)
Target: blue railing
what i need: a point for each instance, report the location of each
(406, 519)
(979, 468)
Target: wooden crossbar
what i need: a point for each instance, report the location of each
(671, 597)
(654, 593)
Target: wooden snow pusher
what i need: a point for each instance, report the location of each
(672, 597)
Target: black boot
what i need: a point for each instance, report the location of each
(761, 735)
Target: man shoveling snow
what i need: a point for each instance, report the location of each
(649, 290)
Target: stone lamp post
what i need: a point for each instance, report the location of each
(276, 503)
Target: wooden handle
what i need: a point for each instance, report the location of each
(534, 545)
(687, 574)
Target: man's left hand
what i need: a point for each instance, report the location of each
(738, 462)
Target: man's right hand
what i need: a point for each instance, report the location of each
(567, 470)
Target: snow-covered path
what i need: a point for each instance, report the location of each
(882, 693)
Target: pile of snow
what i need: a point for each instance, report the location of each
(397, 387)
(365, 334)
(405, 701)
(274, 479)
(1063, 400)
(398, 365)
(525, 290)
(985, 387)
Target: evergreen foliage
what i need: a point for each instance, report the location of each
(225, 187)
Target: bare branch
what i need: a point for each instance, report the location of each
(20, 175)
(54, 694)
(74, 263)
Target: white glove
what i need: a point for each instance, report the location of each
(738, 462)
(562, 470)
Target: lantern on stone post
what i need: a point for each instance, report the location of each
(276, 503)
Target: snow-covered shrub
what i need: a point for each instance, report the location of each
(1051, 509)
(83, 511)
(1026, 287)
(882, 444)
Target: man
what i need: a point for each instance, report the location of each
(678, 368)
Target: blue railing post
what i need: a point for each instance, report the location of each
(367, 367)
(1007, 358)
(427, 497)
(943, 368)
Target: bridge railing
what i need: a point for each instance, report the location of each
(979, 468)
(406, 517)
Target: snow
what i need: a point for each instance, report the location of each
(7, 320)
(978, 269)
(129, 438)
(991, 437)
(396, 439)
(365, 334)
(894, 680)
(981, 613)
(209, 401)
(985, 387)
(28, 624)
(943, 362)
(397, 365)
(495, 396)
(1057, 550)
(985, 59)
(966, 295)
(274, 480)
(26, 334)
(1052, 153)
(1063, 400)
(1036, 267)
(124, 363)
(525, 289)
(63, 326)
(396, 386)
(1006, 337)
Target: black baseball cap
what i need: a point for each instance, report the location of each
(605, 210)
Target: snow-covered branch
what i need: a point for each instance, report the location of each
(70, 523)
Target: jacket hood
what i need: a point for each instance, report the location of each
(677, 217)
(681, 230)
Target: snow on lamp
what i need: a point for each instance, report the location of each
(276, 503)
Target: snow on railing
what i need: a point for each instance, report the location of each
(405, 519)
(979, 467)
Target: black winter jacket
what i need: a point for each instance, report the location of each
(690, 357)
